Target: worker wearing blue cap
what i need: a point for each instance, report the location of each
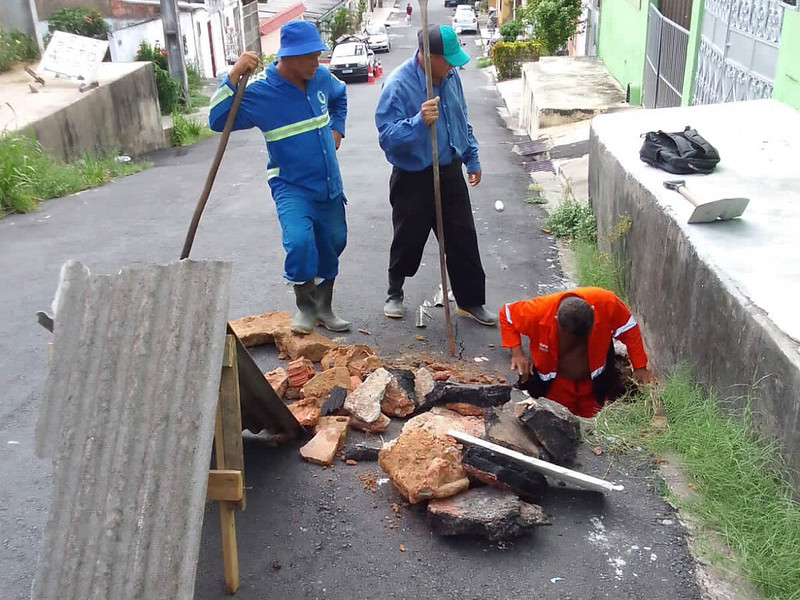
(301, 109)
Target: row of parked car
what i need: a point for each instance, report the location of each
(353, 56)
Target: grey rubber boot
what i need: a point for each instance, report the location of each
(394, 297)
(480, 314)
(325, 314)
(306, 315)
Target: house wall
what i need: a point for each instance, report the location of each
(787, 75)
(622, 41)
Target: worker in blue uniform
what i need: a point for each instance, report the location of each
(300, 108)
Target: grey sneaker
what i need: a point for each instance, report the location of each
(480, 314)
(393, 307)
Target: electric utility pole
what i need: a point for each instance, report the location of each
(173, 42)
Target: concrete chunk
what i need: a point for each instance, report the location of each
(331, 432)
(364, 403)
(503, 473)
(503, 427)
(485, 512)
(396, 401)
(335, 401)
(320, 385)
(377, 426)
(423, 465)
(256, 330)
(555, 428)
(438, 420)
(312, 346)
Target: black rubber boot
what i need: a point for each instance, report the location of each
(325, 314)
(306, 315)
(394, 297)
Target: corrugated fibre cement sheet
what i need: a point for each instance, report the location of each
(127, 417)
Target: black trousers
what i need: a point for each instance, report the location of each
(414, 217)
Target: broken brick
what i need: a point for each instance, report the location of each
(335, 401)
(484, 512)
(300, 371)
(555, 427)
(312, 346)
(467, 410)
(292, 393)
(329, 436)
(396, 401)
(279, 380)
(441, 375)
(358, 358)
(355, 381)
(306, 412)
(364, 403)
(497, 470)
(405, 379)
(320, 385)
(377, 426)
(261, 329)
(423, 465)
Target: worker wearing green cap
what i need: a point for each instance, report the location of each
(403, 118)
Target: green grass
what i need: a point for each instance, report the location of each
(573, 220)
(595, 268)
(28, 174)
(186, 131)
(739, 477)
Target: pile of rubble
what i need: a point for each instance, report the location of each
(469, 489)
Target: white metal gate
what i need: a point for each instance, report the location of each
(665, 61)
(738, 50)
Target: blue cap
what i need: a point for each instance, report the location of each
(298, 38)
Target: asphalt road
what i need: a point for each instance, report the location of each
(308, 532)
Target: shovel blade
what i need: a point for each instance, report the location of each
(719, 210)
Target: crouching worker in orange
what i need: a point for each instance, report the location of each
(571, 346)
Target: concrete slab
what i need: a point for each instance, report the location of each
(564, 89)
(122, 114)
(720, 296)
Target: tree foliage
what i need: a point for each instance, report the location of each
(555, 22)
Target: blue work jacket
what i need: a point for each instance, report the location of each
(296, 126)
(403, 135)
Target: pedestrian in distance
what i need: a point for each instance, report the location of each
(403, 118)
(300, 108)
(571, 346)
(409, 10)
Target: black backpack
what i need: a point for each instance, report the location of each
(682, 152)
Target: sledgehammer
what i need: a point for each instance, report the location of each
(708, 212)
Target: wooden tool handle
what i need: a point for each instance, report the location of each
(212, 172)
(685, 193)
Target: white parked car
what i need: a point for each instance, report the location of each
(351, 60)
(464, 19)
(378, 38)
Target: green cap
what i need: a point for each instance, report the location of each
(444, 42)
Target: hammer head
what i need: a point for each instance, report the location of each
(674, 184)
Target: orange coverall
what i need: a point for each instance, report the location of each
(535, 318)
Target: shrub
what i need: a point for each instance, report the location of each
(574, 221)
(169, 90)
(184, 131)
(87, 22)
(508, 57)
(16, 47)
(556, 22)
(510, 30)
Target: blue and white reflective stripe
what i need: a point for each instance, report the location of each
(508, 314)
(273, 173)
(629, 325)
(599, 370)
(547, 376)
(221, 94)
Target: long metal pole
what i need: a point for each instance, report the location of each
(437, 190)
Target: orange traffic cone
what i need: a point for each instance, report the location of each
(378, 69)
(370, 75)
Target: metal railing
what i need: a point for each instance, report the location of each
(665, 61)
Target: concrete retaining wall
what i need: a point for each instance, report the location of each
(690, 309)
(122, 115)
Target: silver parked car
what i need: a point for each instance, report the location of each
(378, 38)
